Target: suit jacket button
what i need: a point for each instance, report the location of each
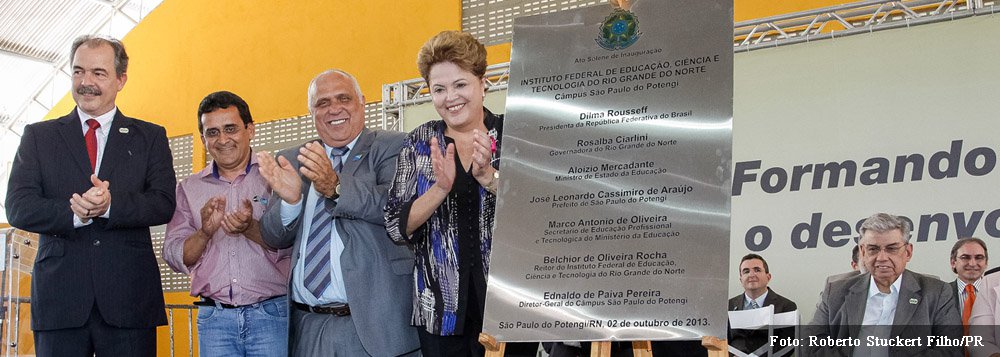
(97, 243)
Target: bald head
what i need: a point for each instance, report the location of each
(311, 92)
(337, 107)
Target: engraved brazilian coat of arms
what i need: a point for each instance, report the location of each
(619, 30)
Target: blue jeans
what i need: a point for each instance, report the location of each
(259, 329)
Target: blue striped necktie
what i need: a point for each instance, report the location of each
(317, 263)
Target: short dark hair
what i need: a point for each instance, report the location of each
(962, 242)
(854, 253)
(121, 57)
(222, 100)
(754, 256)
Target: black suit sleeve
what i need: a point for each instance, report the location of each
(154, 205)
(26, 204)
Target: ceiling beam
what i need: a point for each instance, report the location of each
(28, 57)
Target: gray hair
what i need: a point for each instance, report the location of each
(121, 58)
(884, 222)
(312, 86)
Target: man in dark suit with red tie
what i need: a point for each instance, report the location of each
(91, 184)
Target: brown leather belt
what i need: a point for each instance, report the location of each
(339, 310)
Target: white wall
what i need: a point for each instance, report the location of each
(883, 94)
(897, 92)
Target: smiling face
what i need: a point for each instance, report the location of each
(885, 255)
(337, 109)
(227, 139)
(754, 277)
(969, 262)
(95, 83)
(457, 95)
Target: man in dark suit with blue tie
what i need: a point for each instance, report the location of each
(95, 287)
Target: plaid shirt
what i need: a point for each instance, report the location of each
(436, 297)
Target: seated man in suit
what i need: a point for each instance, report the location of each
(754, 276)
(968, 261)
(871, 310)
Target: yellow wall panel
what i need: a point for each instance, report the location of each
(756, 9)
(267, 52)
(181, 319)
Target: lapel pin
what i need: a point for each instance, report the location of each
(123, 130)
(356, 157)
(913, 301)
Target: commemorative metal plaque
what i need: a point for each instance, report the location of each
(613, 214)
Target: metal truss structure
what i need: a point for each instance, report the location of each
(813, 25)
(34, 39)
(850, 19)
(16, 262)
(397, 95)
(492, 21)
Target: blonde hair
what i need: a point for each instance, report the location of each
(456, 47)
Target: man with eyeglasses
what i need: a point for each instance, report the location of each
(889, 311)
(968, 261)
(215, 238)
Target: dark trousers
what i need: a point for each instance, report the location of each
(98, 338)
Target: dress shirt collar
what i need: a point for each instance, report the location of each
(350, 146)
(105, 119)
(760, 299)
(975, 285)
(213, 170)
(893, 289)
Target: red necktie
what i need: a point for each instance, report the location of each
(91, 139)
(970, 298)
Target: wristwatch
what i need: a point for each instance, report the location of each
(492, 186)
(336, 192)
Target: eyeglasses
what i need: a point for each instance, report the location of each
(967, 258)
(891, 249)
(228, 129)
